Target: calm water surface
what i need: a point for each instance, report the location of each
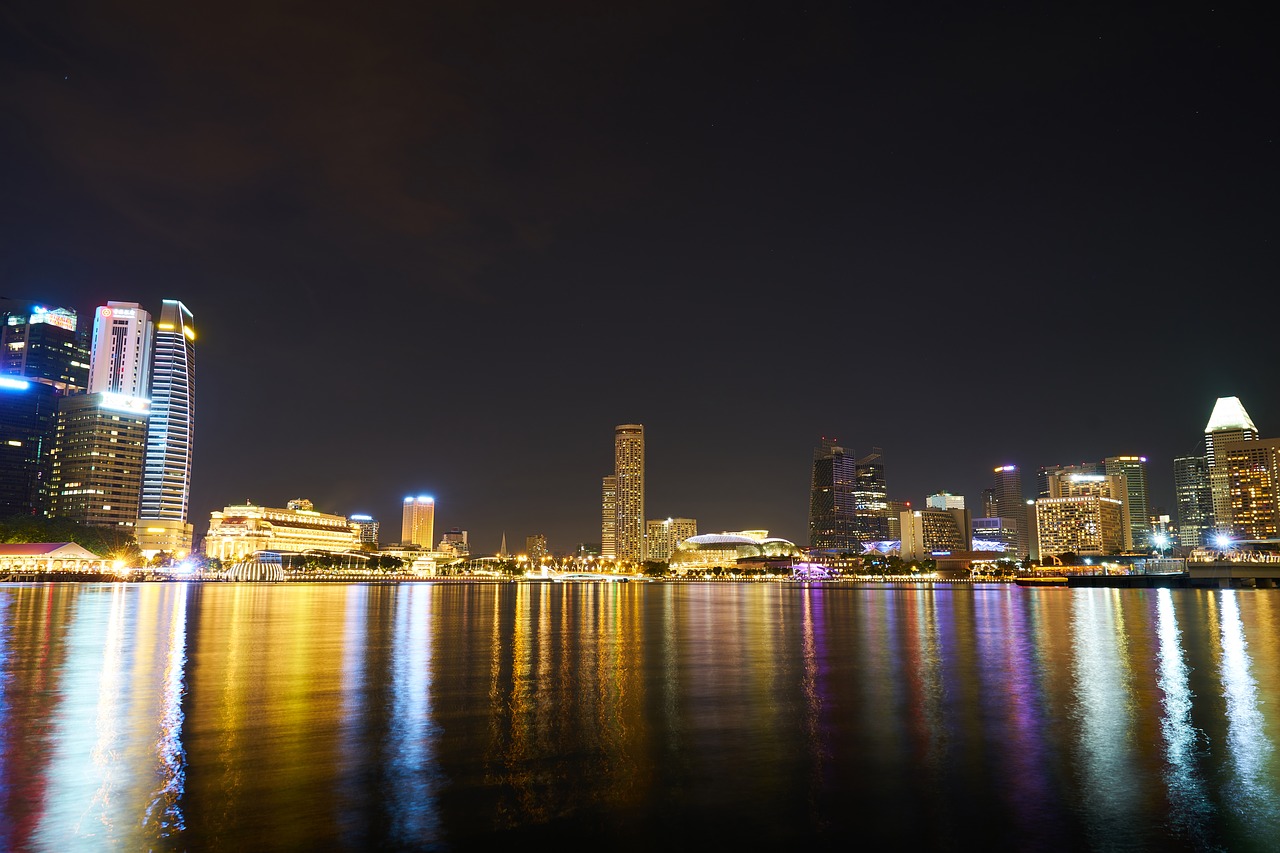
(637, 717)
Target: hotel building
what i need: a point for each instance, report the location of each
(240, 530)
(166, 479)
(628, 469)
(418, 522)
(1253, 469)
(663, 535)
(1086, 524)
(933, 532)
(609, 517)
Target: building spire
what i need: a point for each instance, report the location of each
(502, 552)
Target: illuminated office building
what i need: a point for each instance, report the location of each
(367, 530)
(1229, 422)
(628, 469)
(1008, 505)
(120, 356)
(1253, 469)
(870, 498)
(97, 459)
(609, 517)
(166, 478)
(664, 534)
(46, 346)
(833, 516)
(43, 356)
(240, 530)
(454, 542)
(1194, 500)
(418, 522)
(1134, 471)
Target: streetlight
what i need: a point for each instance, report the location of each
(1161, 541)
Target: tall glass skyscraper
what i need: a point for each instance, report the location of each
(628, 470)
(1194, 499)
(1134, 471)
(166, 478)
(833, 518)
(120, 360)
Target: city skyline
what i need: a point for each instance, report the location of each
(439, 250)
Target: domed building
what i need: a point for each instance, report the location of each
(729, 550)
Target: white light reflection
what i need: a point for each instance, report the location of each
(414, 777)
(1251, 797)
(164, 813)
(1109, 786)
(353, 748)
(1191, 808)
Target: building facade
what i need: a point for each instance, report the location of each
(1253, 474)
(944, 500)
(1228, 422)
(120, 356)
(628, 455)
(1134, 471)
(1194, 499)
(45, 345)
(240, 530)
(935, 532)
(609, 517)
(871, 498)
(1087, 524)
(665, 534)
(418, 521)
(833, 515)
(166, 478)
(367, 530)
(97, 459)
(1008, 505)
(1113, 486)
(535, 548)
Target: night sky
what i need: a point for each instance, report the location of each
(444, 248)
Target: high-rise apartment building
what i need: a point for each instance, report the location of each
(628, 469)
(120, 357)
(609, 517)
(664, 534)
(1194, 500)
(97, 459)
(833, 517)
(166, 478)
(418, 521)
(1253, 485)
(1229, 422)
(1134, 471)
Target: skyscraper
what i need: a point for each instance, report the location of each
(418, 522)
(166, 478)
(120, 357)
(1134, 471)
(1194, 499)
(664, 534)
(1007, 504)
(1253, 483)
(367, 526)
(871, 498)
(43, 356)
(1228, 422)
(97, 459)
(609, 517)
(833, 518)
(628, 468)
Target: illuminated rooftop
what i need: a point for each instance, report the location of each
(1229, 414)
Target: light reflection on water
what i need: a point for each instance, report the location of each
(295, 716)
